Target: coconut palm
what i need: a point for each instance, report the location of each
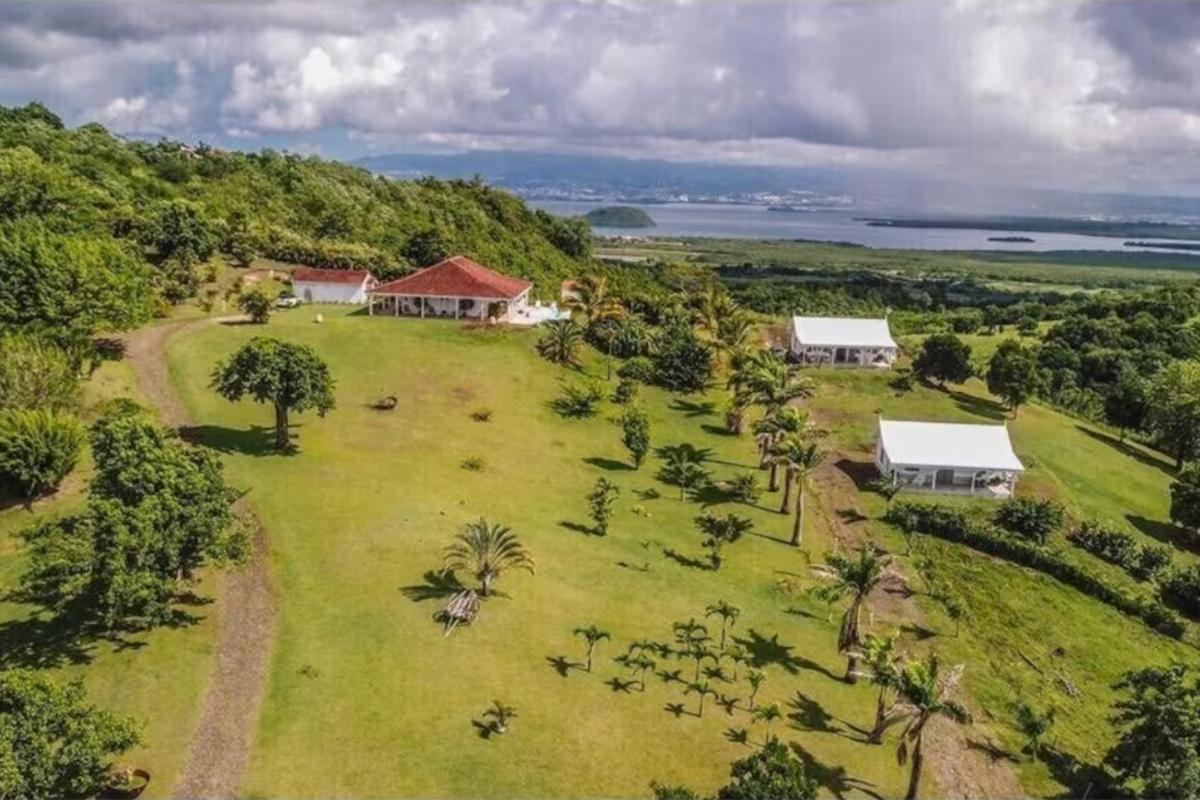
(855, 578)
(805, 458)
(560, 342)
(774, 384)
(881, 657)
(500, 715)
(789, 452)
(728, 613)
(703, 689)
(755, 677)
(924, 694)
(768, 714)
(486, 551)
(772, 428)
(593, 636)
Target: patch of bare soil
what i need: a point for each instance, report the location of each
(963, 761)
(220, 747)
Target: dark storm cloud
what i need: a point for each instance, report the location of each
(1045, 85)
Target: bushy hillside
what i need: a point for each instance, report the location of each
(94, 228)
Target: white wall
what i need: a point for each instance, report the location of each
(312, 292)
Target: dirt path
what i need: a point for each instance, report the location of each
(957, 756)
(220, 747)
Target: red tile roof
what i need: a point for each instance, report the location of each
(313, 275)
(457, 276)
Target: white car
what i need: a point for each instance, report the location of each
(287, 301)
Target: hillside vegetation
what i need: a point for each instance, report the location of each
(94, 229)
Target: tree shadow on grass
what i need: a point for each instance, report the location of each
(711, 495)
(257, 440)
(610, 464)
(1080, 778)
(1127, 449)
(862, 473)
(618, 685)
(717, 430)
(687, 561)
(1164, 532)
(562, 666)
(694, 408)
(979, 406)
(833, 779)
(766, 652)
(679, 710)
(586, 530)
(807, 714)
(993, 751)
(485, 729)
(438, 585)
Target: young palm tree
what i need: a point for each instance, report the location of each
(735, 412)
(721, 531)
(593, 300)
(690, 635)
(739, 655)
(486, 551)
(806, 458)
(682, 469)
(593, 636)
(560, 342)
(500, 715)
(703, 689)
(855, 578)
(641, 664)
(1034, 726)
(728, 613)
(881, 657)
(768, 714)
(734, 332)
(924, 694)
(755, 678)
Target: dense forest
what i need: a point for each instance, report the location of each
(96, 230)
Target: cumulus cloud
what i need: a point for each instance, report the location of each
(1049, 90)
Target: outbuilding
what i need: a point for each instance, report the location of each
(457, 288)
(948, 457)
(843, 342)
(332, 285)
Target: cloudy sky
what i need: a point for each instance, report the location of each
(1101, 95)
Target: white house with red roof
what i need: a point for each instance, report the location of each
(456, 287)
(332, 285)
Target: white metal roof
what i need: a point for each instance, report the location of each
(948, 444)
(842, 332)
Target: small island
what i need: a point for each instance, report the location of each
(619, 217)
(1024, 239)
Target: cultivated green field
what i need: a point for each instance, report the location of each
(368, 697)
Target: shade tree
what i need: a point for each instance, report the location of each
(944, 358)
(1013, 374)
(1157, 722)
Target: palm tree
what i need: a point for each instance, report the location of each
(699, 652)
(856, 578)
(735, 411)
(720, 532)
(774, 383)
(924, 694)
(703, 689)
(806, 458)
(739, 655)
(788, 452)
(486, 551)
(684, 470)
(593, 636)
(560, 342)
(593, 300)
(1034, 726)
(689, 636)
(728, 613)
(879, 653)
(733, 332)
(773, 428)
(640, 665)
(500, 714)
(768, 714)
(755, 678)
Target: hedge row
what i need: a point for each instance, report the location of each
(955, 525)
(1144, 562)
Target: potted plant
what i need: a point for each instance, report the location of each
(126, 783)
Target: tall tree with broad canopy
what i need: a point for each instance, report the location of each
(292, 377)
(771, 773)
(1013, 374)
(1158, 724)
(53, 742)
(1174, 415)
(944, 358)
(1185, 497)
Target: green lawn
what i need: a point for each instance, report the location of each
(369, 698)
(157, 677)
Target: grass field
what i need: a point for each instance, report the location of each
(157, 677)
(369, 698)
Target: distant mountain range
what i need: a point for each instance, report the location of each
(610, 178)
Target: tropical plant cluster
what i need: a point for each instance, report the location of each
(1144, 562)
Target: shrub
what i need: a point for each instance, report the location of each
(1182, 590)
(638, 369)
(1185, 497)
(683, 362)
(482, 415)
(956, 526)
(631, 338)
(635, 434)
(745, 489)
(37, 449)
(1034, 519)
(35, 374)
(473, 464)
(1121, 548)
(578, 399)
(626, 390)
(256, 305)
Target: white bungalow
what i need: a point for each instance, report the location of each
(332, 285)
(843, 342)
(456, 287)
(948, 457)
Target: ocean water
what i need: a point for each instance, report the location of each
(756, 222)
